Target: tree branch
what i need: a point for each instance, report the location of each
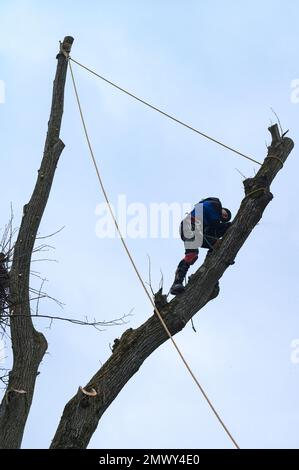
(94, 323)
(83, 412)
(28, 345)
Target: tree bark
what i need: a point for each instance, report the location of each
(83, 412)
(4, 283)
(28, 345)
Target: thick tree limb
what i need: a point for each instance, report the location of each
(82, 413)
(28, 345)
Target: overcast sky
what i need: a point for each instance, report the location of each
(220, 66)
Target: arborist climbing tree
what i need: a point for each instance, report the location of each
(84, 410)
(203, 227)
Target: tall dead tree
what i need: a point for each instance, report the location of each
(83, 412)
(28, 345)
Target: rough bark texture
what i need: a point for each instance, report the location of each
(4, 283)
(82, 413)
(28, 345)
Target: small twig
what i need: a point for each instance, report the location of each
(281, 130)
(44, 259)
(51, 234)
(37, 274)
(149, 283)
(44, 295)
(38, 300)
(43, 247)
(161, 283)
(4, 377)
(243, 176)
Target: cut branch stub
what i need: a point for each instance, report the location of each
(67, 43)
(66, 46)
(276, 137)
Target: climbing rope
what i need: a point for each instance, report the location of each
(164, 113)
(133, 262)
(135, 267)
(275, 158)
(255, 191)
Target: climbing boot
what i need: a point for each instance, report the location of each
(177, 286)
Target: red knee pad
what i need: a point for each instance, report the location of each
(190, 258)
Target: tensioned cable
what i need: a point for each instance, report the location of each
(165, 114)
(134, 265)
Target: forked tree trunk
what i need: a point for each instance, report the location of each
(83, 412)
(28, 345)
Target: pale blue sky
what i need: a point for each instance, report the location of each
(220, 66)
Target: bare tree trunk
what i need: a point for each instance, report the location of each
(83, 412)
(28, 345)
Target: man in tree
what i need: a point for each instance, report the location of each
(201, 228)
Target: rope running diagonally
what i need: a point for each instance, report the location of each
(178, 121)
(134, 265)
